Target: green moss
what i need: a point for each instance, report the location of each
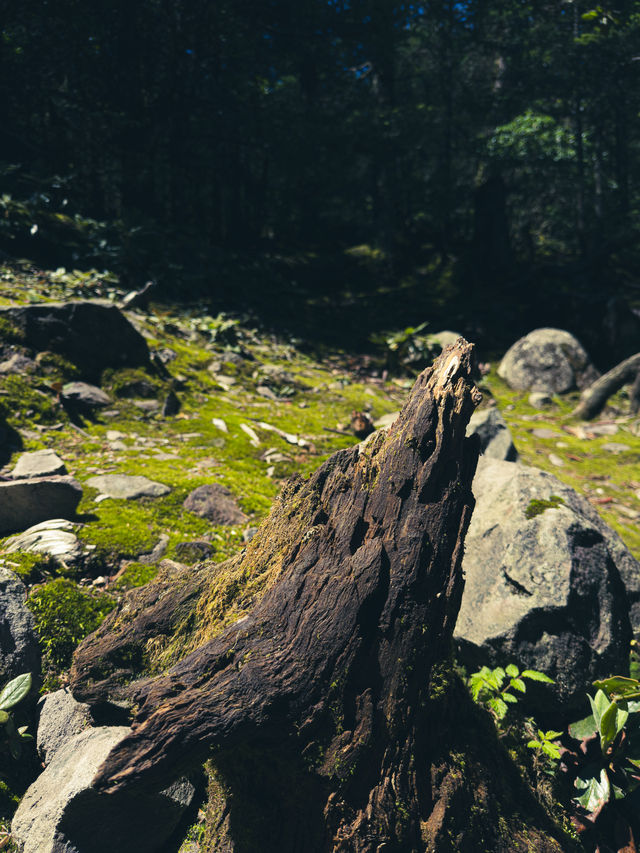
(538, 506)
(136, 574)
(64, 615)
(29, 567)
(132, 382)
(10, 333)
(58, 367)
(22, 403)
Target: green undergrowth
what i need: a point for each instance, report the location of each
(64, 614)
(537, 507)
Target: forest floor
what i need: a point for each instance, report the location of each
(254, 410)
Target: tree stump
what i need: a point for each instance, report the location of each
(328, 708)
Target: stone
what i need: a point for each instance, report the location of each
(85, 395)
(615, 447)
(54, 537)
(540, 400)
(216, 503)
(194, 552)
(158, 551)
(444, 338)
(19, 651)
(60, 718)
(385, 421)
(127, 487)
(547, 360)
(17, 363)
(24, 503)
(171, 405)
(495, 438)
(92, 334)
(544, 432)
(545, 582)
(38, 463)
(62, 813)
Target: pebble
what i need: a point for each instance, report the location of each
(556, 460)
(615, 447)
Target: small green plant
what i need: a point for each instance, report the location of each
(408, 348)
(546, 747)
(496, 689)
(602, 759)
(538, 506)
(13, 693)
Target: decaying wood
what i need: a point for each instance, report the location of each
(594, 398)
(326, 706)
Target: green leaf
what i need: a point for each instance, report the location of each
(584, 728)
(509, 697)
(15, 691)
(534, 744)
(596, 791)
(499, 707)
(619, 685)
(534, 675)
(518, 684)
(512, 671)
(599, 705)
(551, 749)
(611, 723)
(3, 717)
(551, 735)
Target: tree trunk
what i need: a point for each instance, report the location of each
(326, 699)
(594, 398)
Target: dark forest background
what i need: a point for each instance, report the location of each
(335, 166)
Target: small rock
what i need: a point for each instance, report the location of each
(544, 432)
(385, 421)
(540, 400)
(603, 429)
(253, 436)
(171, 405)
(86, 396)
(117, 445)
(147, 405)
(556, 460)
(615, 447)
(61, 717)
(17, 363)
(127, 487)
(54, 537)
(158, 551)
(265, 391)
(216, 503)
(38, 463)
(361, 424)
(220, 424)
(115, 435)
(249, 533)
(495, 439)
(24, 503)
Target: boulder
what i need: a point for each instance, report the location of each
(19, 650)
(60, 718)
(194, 551)
(216, 503)
(17, 363)
(495, 438)
(24, 503)
(92, 334)
(85, 396)
(127, 487)
(545, 582)
(547, 360)
(38, 463)
(54, 537)
(62, 813)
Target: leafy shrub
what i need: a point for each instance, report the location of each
(602, 760)
(64, 616)
(488, 687)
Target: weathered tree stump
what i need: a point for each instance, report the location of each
(328, 708)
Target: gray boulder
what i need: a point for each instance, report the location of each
(92, 334)
(545, 582)
(61, 717)
(495, 438)
(62, 813)
(547, 360)
(19, 650)
(55, 537)
(216, 503)
(127, 487)
(85, 396)
(38, 463)
(24, 503)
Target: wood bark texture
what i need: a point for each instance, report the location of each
(594, 398)
(327, 708)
